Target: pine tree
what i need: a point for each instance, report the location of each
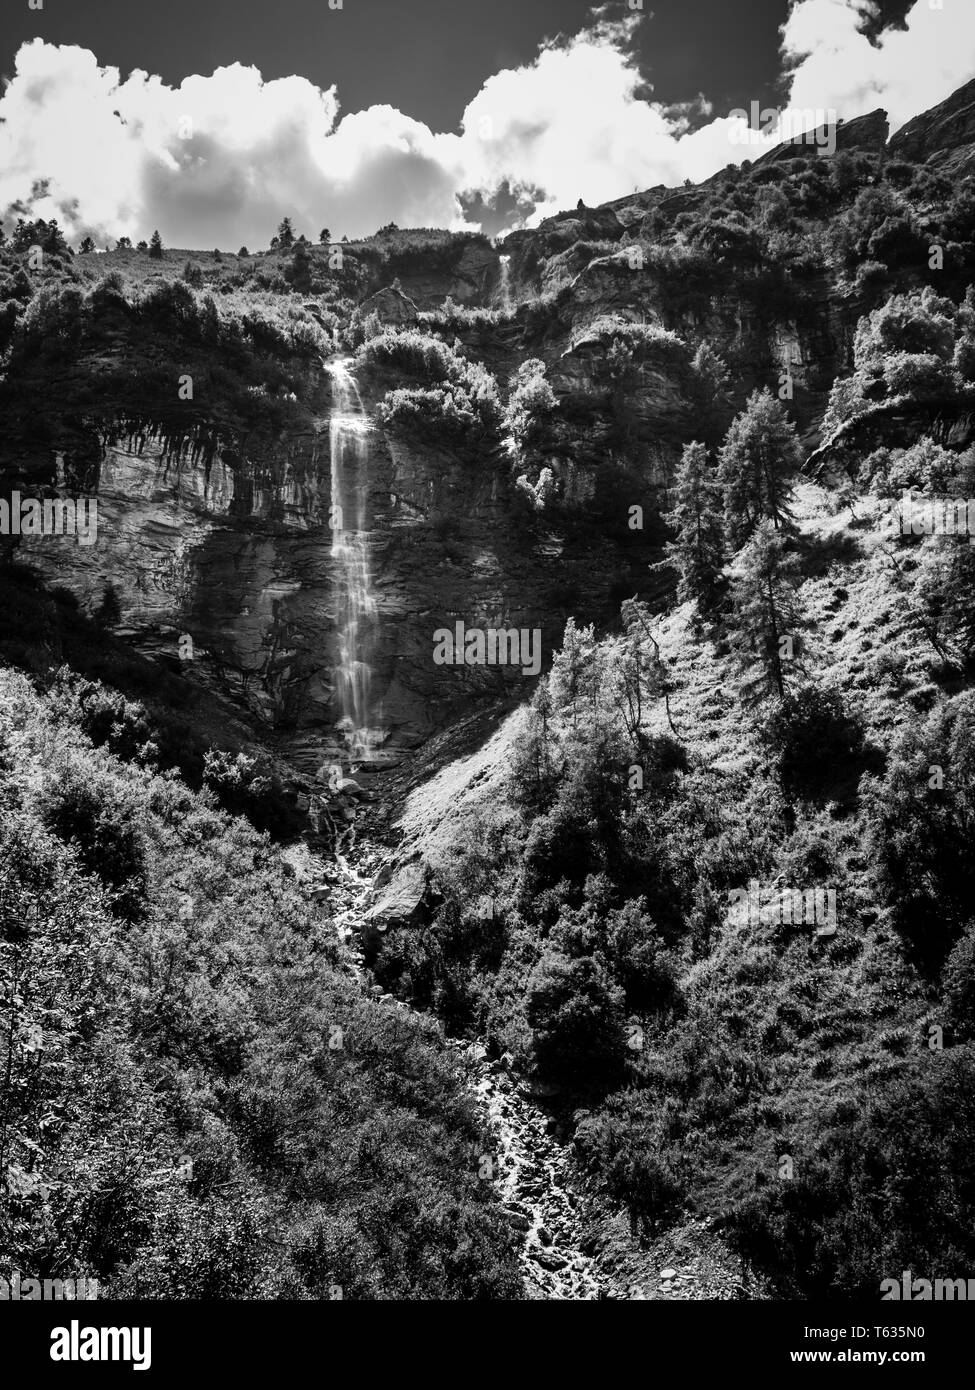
(109, 611)
(286, 233)
(766, 615)
(641, 677)
(87, 246)
(758, 462)
(156, 246)
(697, 550)
(324, 236)
(576, 673)
(711, 395)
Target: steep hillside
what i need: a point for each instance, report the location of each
(671, 908)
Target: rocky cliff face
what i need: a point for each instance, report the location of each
(235, 551)
(943, 136)
(240, 560)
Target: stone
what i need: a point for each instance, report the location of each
(392, 306)
(549, 1259)
(668, 1274)
(517, 1219)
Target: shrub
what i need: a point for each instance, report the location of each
(96, 816)
(576, 1017)
(920, 819)
(812, 738)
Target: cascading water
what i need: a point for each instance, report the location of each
(504, 288)
(356, 603)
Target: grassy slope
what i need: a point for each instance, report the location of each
(781, 1039)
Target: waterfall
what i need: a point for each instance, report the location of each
(505, 285)
(355, 601)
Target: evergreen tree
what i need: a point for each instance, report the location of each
(124, 243)
(299, 272)
(87, 246)
(109, 610)
(758, 462)
(156, 246)
(766, 615)
(944, 585)
(711, 395)
(697, 550)
(324, 236)
(47, 235)
(286, 233)
(577, 672)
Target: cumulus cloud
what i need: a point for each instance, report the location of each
(219, 159)
(906, 71)
(574, 124)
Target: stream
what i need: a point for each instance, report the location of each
(533, 1167)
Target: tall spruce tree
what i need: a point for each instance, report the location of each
(758, 463)
(156, 246)
(711, 395)
(766, 615)
(697, 550)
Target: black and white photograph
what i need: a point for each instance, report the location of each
(487, 680)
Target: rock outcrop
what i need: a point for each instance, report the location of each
(943, 136)
(865, 133)
(238, 558)
(391, 306)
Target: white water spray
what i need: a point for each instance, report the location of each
(504, 287)
(356, 603)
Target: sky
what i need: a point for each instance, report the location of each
(211, 119)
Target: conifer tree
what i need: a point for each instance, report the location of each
(697, 550)
(758, 462)
(711, 395)
(766, 615)
(156, 246)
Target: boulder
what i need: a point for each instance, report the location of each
(397, 901)
(392, 306)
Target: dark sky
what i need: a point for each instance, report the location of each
(426, 57)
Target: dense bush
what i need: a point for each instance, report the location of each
(199, 1102)
(813, 739)
(576, 1017)
(921, 819)
(453, 397)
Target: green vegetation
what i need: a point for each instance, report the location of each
(198, 1101)
(455, 399)
(793, 713)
